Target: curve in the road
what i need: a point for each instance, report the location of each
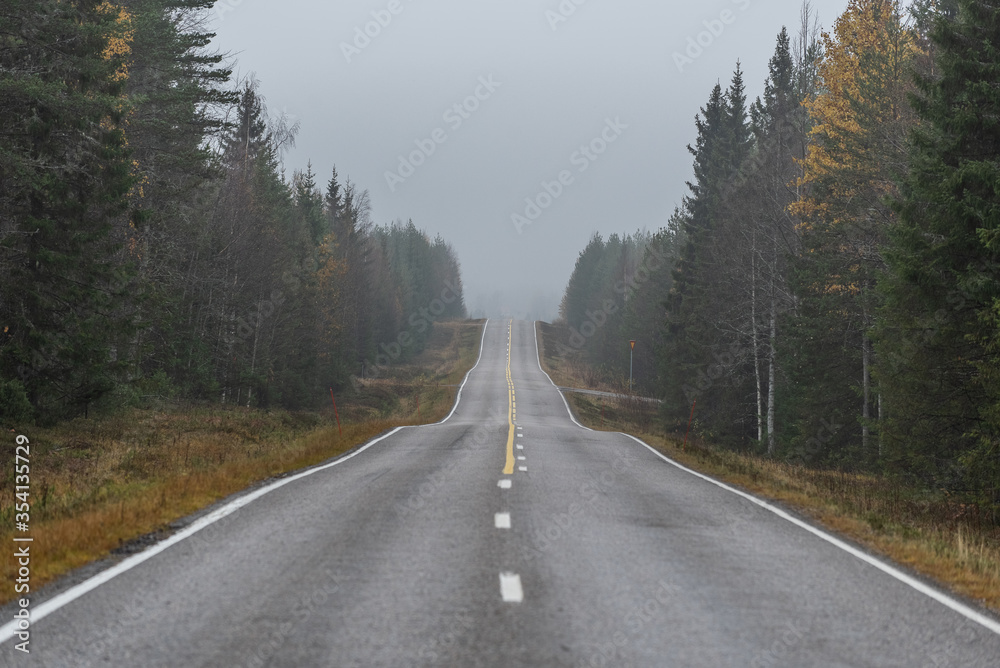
(939, 596)
(605, 553)
(8, 630)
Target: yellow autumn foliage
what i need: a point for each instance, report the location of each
(119, 48)
(119, 44)
(864, 79)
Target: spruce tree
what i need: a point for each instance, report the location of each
(860, 126)
(938, 339)
(309, 205)
(689, 361)
(737, 127)
(65, 179)
(573, 309)
(178, 84)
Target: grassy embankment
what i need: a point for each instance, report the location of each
(97, 484)
(934, 535)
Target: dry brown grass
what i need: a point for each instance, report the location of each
(929, 535)
(97, 484)
(569, 370)
(938, 537)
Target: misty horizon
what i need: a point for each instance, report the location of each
(411, 89)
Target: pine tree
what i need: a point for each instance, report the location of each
(762, 236)
(573, 309)
(737, 127)
(178, 85)
(695, 359)
(938, 338)
(64, 180)
(644, 316)
(710, 166)
(780, 97)
(860, 126)
(309, 204)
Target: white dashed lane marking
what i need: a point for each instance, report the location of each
(502, 520)
(510, 588)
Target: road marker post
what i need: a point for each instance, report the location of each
(335, 413)
(631, 353)
(689, 425)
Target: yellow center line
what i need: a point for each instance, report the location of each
(508, 469)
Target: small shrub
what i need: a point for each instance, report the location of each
(14, 405)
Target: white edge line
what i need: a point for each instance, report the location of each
(458, 397)
(942, 598)
(45, 609)
(909, 580)
(538, 358)
(8, 630)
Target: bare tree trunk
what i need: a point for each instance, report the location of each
(881, 441)
(253, 356)
(770, 376)
(866, 382)
(756, 349)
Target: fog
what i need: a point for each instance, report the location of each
(572, 117)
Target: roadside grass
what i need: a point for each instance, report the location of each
(926, 530)
(98, 484)
(569, 370)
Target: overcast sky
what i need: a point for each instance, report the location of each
(535, 81)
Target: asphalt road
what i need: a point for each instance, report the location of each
(414, 552)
